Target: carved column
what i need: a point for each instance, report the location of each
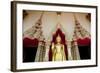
(38, 53)
(47, 51)
(69, 50)
(75, 51)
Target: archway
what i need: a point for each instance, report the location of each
(63, 41)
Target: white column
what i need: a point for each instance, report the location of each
(69, 50)
(47, 51)
(37, 53)
(77, 51)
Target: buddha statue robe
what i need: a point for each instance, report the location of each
(58, 53)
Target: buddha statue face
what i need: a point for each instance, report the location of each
(58, 39)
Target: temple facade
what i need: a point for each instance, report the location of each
(40, 36)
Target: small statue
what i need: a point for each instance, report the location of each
(58, 52)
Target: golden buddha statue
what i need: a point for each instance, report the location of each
(58, 53)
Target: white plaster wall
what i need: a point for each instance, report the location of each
(50, 21)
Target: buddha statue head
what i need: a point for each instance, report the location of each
(58, 39)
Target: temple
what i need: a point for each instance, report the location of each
(55, 36)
